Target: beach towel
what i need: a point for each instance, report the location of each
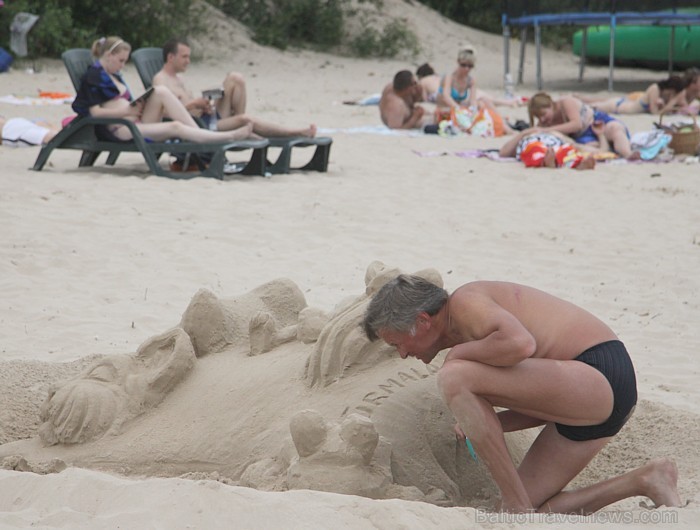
(650, 143)
(481, 122)
(491, 154)
(372, 129)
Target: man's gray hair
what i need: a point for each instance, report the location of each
(397, 304)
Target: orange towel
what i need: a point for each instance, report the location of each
(54, 95)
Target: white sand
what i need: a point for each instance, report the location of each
(96, 261)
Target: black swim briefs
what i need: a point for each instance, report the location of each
(612, 360)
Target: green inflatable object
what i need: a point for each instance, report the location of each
(643, 45)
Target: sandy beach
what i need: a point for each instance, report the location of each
(97, 261)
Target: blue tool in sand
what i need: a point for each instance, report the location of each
(471, 449)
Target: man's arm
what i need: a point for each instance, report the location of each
(500, 339)
(414, 120)
(395, 114)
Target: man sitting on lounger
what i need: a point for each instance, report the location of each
(229, 112)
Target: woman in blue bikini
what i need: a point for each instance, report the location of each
(458, 89)
(657, 96)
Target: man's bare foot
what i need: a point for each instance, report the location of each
(310, 132)
(588, 162)
(660, 477)
(636, 155)
(550, 159)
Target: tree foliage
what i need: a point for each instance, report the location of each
(320, 24)
(486, 15)
(67, 24)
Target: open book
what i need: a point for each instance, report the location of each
(143, 97)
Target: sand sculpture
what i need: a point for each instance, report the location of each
(241, 390)
(214, 325)
(115, 390)
(342, 348)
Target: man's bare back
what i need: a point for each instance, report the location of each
(561, 330)
(394, 111)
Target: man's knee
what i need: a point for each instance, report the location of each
(455, 378)
(178, 128)
(235, 80)
(161, 91)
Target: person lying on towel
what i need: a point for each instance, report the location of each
(21, 132)
(547, 149)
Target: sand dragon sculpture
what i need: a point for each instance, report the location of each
(272, 394)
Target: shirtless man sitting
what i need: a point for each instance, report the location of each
(230, 109)
(544, 360)
(176, 59)
(398, 108)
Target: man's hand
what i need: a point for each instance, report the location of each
(199, 106)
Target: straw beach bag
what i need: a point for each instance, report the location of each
(685, 138)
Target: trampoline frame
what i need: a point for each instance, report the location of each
(587, 18)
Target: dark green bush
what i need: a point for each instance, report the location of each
(282, 23)
(77, 23)
(319, 24)
(394, 39)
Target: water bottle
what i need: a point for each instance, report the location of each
(213, 119)
(509, 86)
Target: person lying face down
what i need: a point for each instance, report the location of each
(660, 97)
(547, 362)
(547, 149)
